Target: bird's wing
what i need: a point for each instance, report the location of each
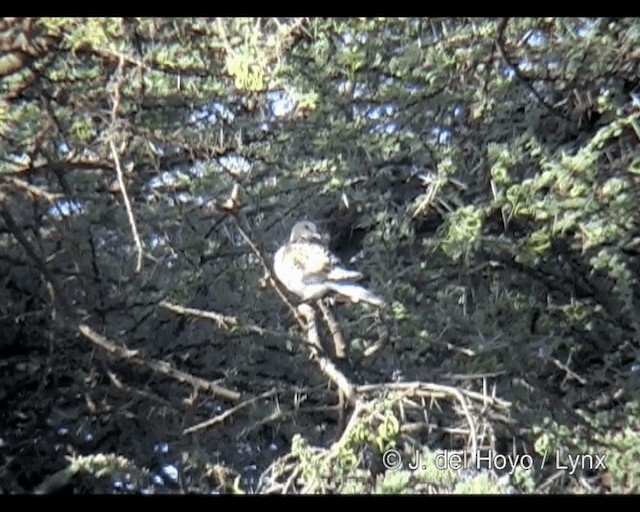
(310, 258)
(315, 261)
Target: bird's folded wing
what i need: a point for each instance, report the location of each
(316, 262)
(309, 258)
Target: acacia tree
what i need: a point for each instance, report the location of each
(482, 173)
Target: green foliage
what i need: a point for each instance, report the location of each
(375, 430)
(100, 464)
(85, 31)
(622, 460)
(82, 130)
(616, 447)
(465, 227)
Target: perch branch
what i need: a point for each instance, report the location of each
(334, 330)
(318, 356)
(33, 190)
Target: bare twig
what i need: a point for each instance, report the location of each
(55, 482)
(29, 169)
(569, 371)
(116, 161)
(417, 387)
(33, 190)
(222, 416)
(160, 367)
(354, 420)
(145, 395)
(282, 415)
(383, 338)
(222, 321)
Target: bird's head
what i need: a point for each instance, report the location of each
(305, 230)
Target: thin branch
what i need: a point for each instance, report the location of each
(430, 387)
(223, 321)
(33, 190)
(354, 421)
(383, 338)
(116, 161)
(160, 367)
(223, 416)
(524, 80)
(55, 482)
(46, 168)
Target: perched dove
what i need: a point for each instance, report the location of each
(307, 268)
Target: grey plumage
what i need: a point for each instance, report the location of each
(308, 269)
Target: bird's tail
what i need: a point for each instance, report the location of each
(356, 293)
(342, 274)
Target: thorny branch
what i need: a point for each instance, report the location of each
(408, 398)
(526, 82)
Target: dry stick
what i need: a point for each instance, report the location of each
(54, 482)
(282, 415)
(472, 424)
(116, 161)
(222, 321)
(334, 329)
(146, 395)
(33, 190)
(226, 414)
(416, 386)
(160, 367)
(359, 408)
(289, 483)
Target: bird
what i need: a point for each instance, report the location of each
(309, 270)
